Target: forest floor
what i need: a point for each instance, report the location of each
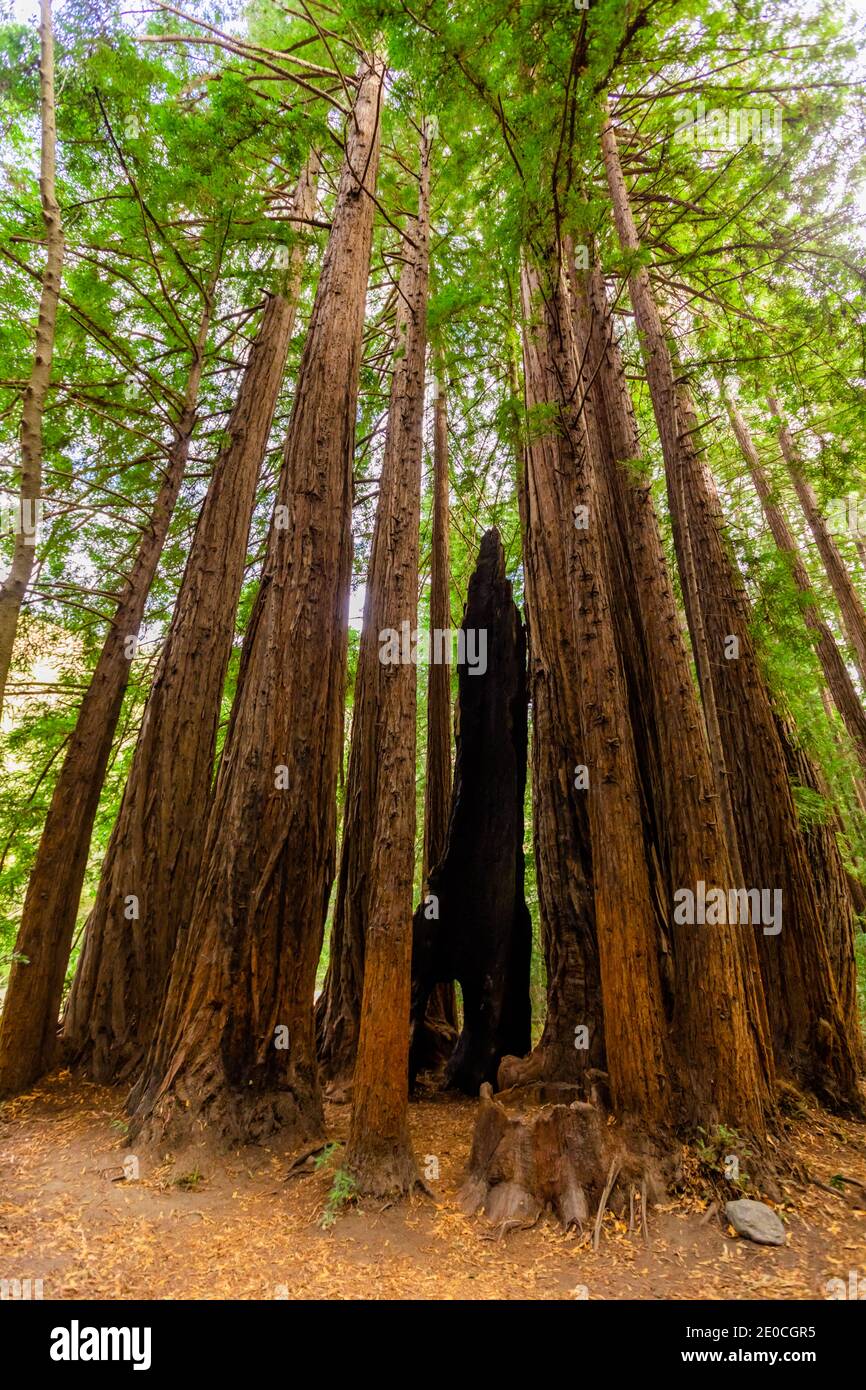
(239, 1229)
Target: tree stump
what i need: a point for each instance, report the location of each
(546, 1148)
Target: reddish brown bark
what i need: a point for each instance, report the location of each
(338, 1011)
(634, 1019)
(437, 787)
(28, 1034)
(158, 838)
(14, 586)
(441, 1019)
(560, 814)
(841, 686)
(379, 1152)
(849, 601)
(808, 1030)
(719, 1019)
(234, 1052)
(832, 884)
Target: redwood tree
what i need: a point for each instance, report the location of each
(234, 1050)
(849, 601)
(808, 1030)
(723, 1057)
(379, 1152)
(14, 586)
(840, 684)
(28, 1032)
(560, 814)
(149, 874)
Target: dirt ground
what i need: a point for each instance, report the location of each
(237, 1228)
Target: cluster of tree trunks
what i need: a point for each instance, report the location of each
(28, 1032)
(813, 1042)
(198, 970)
(149, 873)
(839, 681)
(235, 1044)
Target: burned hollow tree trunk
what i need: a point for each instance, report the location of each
(473, 926)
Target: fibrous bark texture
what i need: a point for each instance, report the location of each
(560, 813)
(234, 1051)
(440, 1025)
(719, 1025)
(28, 1034)
(807, 1027)
(379, 1152)
(149, 874)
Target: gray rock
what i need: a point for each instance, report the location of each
(756, 1221)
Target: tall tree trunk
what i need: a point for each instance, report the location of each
(473, 924)
(831, 882)
(719, 1018)
(379, 1152)
(849, 601)
(841, 686)
(624, 913)
(158, 838)
(440, 1032)
(28, 1033)
(634, 1016)
(437, 787)
(808, 1030)
(560, 815)
(338, 1011)
(14, 586)
(234, 1050)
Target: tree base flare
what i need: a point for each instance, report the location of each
(545, 1148)
(383, 1169)
(224, 1116)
